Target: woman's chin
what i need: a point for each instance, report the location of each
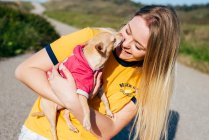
(124, 57)
(122, 54)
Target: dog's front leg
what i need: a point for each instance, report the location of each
(86, 111)
(103, 97)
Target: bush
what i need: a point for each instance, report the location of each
(21, 32)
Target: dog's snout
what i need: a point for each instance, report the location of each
(123, 39)
(118, 40)
(113, 39)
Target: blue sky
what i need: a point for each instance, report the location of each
(173, 2)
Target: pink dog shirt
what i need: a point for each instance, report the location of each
(80, 70)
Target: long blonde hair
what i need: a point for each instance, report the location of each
(157, 80)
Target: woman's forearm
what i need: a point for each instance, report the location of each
(32, 72)
(36, 79)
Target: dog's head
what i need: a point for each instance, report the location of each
(100, 47)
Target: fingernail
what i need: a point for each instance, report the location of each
(61, 66)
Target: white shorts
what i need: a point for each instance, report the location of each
(27, 134)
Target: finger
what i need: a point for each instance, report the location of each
(49, 73)
(99, 79)
(95, 75)
(99, 76)
(66, 71)
(55, 72)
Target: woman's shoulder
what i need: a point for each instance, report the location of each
(104, 29)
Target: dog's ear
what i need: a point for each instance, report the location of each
(100, 48)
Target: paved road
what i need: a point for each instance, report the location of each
(190, 103)
(61, 28)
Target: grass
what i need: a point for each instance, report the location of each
(200, 53)
(94, 13)
(82, 20)
(194, 49)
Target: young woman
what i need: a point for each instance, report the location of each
(137, 79)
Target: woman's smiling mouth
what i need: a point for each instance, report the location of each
(124, 51)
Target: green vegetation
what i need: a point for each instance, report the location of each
(195, 42)
(194, 47)
(94, 13)
(84, 20)
(27, 6)
(21, 32)
(197, 16)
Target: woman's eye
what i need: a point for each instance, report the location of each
(137, 47)
(128, 31)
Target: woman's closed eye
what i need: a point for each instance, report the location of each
(128, 31)
(136, 46)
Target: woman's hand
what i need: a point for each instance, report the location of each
(97, 84)
(58, 83)
(64, 89)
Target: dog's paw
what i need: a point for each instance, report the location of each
(86, 123)
(109, 113)
(74, 129)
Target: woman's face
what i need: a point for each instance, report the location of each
(136, 35)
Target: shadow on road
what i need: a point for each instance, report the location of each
(172, 128)
(172, 124)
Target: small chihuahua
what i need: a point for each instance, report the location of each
(84, 62)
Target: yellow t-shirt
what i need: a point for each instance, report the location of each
(119, 83)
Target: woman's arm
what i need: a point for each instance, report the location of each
(102, 126)
(32, 72)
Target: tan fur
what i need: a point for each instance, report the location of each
(96, 51)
